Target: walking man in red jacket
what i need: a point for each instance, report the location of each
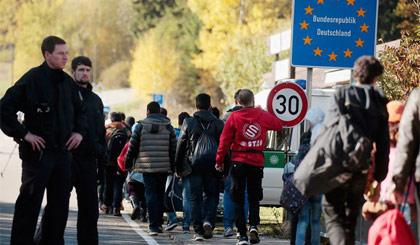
(245, 131)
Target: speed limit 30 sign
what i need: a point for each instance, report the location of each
(288, 102)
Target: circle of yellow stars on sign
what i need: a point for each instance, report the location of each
(333, 56)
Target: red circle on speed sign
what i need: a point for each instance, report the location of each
(288, 102)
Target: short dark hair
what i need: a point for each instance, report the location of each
(236, 97)
(246, 97)
(130, 121)
(48, 44)
(203, 101)
(366, 68)
(115, 117)
(182, 116)
(163, 111)
(80, 60)
(153, 107)
(215, 111)
(122, 115)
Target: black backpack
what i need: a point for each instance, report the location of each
(116, 143)
(341, 149)
(205, 149)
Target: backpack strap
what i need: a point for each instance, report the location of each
(202, 126)
(205, 128)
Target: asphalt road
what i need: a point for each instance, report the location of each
(112, 230)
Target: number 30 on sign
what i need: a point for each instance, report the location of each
(288, 102)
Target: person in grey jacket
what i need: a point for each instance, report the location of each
(408, 160)
(153, 146)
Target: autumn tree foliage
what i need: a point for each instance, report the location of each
(232, 40)
(402, 68)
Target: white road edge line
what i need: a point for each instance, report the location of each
(139, 231)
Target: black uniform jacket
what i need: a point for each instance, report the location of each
(52, 106)
(94, 143)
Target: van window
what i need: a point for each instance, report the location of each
(279, 140)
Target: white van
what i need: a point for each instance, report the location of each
(283, 145)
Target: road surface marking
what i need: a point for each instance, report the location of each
(139, 231)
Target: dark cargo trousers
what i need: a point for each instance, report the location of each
(53, 172)
(243, 176)
(341, 208)
(84, 172)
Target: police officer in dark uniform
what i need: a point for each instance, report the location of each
(55, 123)
(89, 158)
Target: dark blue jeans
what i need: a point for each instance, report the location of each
(310, 214)
(113, 187)
(154, 184)
(206, 182)
(185, 202)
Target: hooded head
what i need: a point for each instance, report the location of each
(315, 116)
(395, 111)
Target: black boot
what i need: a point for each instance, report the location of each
(143, 213)
(135, 214)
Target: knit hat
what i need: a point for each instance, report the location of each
(395, 111)
(315, 116)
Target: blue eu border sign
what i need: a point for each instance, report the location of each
(333, 33)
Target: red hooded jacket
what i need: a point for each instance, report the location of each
(245, 132)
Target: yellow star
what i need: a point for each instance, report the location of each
(307, 40)
(304, 25)
(361, 12)
(317, 51)
(359, 43)
(350, 2)
(364, 27)
(347, 53)
(333, 56)
(320, 1)
(309, 10)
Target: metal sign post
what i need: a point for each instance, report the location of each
(309, 73)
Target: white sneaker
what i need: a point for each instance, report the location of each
(242, 241)
(253, 235)
(198, 237)
(228, 232)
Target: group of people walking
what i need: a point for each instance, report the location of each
(64, 143)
